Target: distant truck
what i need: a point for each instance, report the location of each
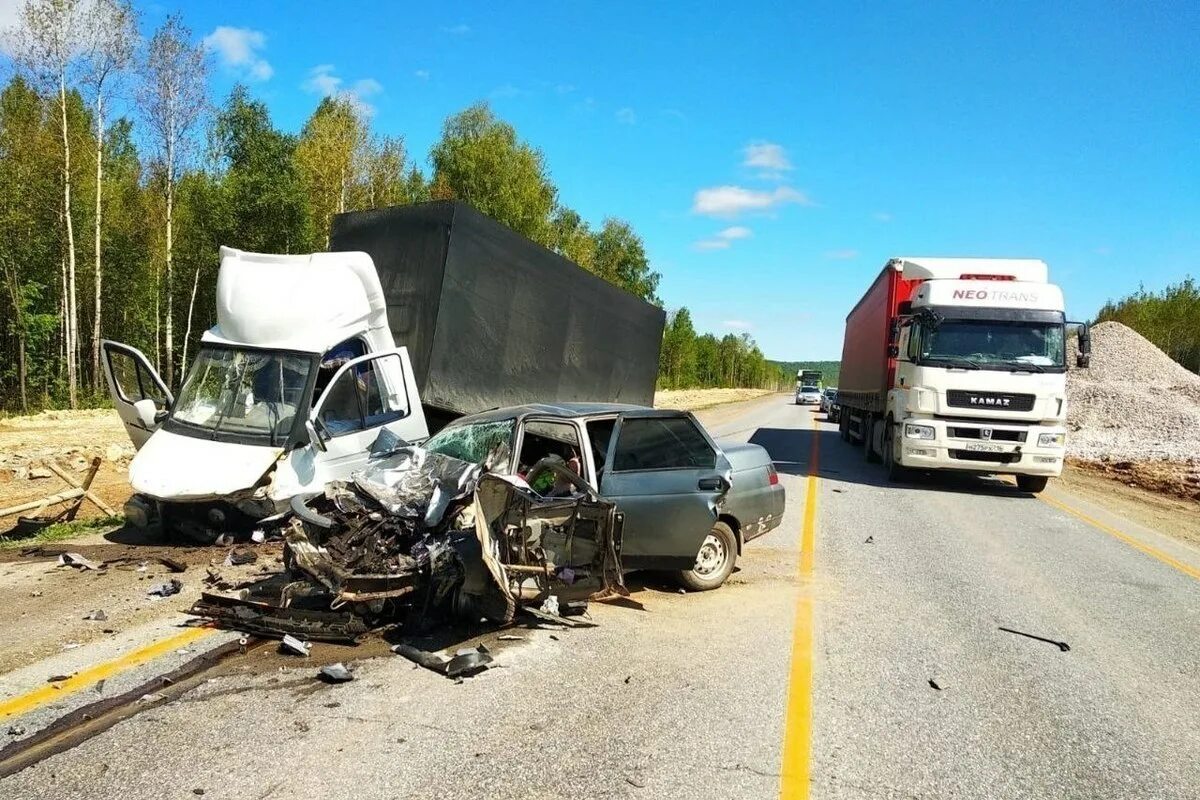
(808, 377)
(302, 373)
(959, 364)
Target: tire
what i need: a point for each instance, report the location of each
(1032, 483)
(868, 433)
(844, 427)
(896, 473)
(719, 552)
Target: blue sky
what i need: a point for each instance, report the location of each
(773, 156)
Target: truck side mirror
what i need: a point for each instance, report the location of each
(148, 413)
(314, 435)
(893, 351)
(1084, 359)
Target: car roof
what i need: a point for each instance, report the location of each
(564, 410)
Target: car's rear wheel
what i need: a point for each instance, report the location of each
(1032, 483)
(714, 562)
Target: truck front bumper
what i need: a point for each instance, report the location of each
(1001, 447)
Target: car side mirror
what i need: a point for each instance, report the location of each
(314, 436)
(148, 413)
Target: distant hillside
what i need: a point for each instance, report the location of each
(830, 370)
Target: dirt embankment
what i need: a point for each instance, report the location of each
(1134, 415)
(695, 399)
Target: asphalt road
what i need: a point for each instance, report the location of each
(827, 652)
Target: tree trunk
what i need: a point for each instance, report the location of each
(98, 273)
(191, 305)
(72, 321)
(168, 332)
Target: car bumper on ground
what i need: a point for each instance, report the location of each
(1005, 449)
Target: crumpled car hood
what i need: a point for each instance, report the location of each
(175, 467)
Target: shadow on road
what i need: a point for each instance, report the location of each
(791, 450)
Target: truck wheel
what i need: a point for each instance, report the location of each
(896, 472)
(844, 427)
(1032, 483)
(868, 436)
(714, 562)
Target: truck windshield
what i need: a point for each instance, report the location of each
(474, 442)
(240, 392)
(993, 344)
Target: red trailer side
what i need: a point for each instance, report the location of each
(867, 370)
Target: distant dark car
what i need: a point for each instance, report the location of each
(689, 505)
(829, 404)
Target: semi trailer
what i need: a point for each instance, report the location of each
(960, 364)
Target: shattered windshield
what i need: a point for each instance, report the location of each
(473, 442)
(243, 392)
(993, 343)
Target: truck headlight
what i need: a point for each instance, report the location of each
(918, 431)
(1051, 439)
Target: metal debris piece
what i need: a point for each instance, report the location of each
(59, 678)
(1062, 646)
(224, 540)
(550, 605)
(508, 637)
(556, 619)
(934, 685)
(16, 730)
(167, 589)
(465, 663)
(268, 620)
(258, 536)
(335, 673)
(76, 560)
(172, 564)
(98, 615)
(240, 555)
(573, 608)
(150, 697)
(291, 644)
(870, 540)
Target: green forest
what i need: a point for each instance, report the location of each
(110, 227)
(1169, 318)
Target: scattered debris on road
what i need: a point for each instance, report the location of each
(59, 678)
(98, 615)
(1062, 646)
(934, 684)
(465, 663)
(77, 561)
(240, 555)
(16, 730)
(290, 644)
(870, 540)
(166, 589)
(335, 673)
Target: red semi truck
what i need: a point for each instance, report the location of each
(959, 364)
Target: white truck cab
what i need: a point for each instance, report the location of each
(288, 391)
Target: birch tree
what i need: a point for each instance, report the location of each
(173, 97)
(113, 35)
(328, 154)
(48, 41)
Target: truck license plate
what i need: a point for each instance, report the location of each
(985, 448)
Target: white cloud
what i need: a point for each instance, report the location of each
(457, 30)
(626, 116)
(729, 201)
(770, 159)
(422, 74)
(737, 324)
(239, 50)
(723, 239)
(323, 80)
(841, 255)
(882, 216)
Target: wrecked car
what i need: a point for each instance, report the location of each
(689, 505)
(419, 536)
(302, 372)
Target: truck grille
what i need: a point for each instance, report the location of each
(992, 401)
(990, 458)
(997, 435)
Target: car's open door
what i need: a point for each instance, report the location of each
(140, 396)
(666, 475)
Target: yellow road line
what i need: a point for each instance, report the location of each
(88, 677)
(797, 737)
(1154, 552)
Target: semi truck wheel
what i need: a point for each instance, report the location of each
(844, 427)
(868, 440)
(1032, 483)
(896, 472)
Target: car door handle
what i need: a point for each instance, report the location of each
(714, 484)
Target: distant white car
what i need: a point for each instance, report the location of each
(808, 396)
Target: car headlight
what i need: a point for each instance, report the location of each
(1051, 439)
(918, 431)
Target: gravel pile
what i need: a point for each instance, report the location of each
(1134, 403)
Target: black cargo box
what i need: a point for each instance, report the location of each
(492, 319)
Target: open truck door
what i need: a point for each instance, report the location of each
(364, 395)
(667, 476)
(140, 396)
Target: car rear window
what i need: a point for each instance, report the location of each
(662, 443)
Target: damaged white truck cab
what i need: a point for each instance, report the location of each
(288, 391)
